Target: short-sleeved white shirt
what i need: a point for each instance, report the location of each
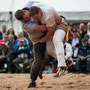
(49, 15)
(31, 24)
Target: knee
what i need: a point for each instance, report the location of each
(8, 59)
(88, 60)
(37, 63)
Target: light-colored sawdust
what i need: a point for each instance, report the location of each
(66, 82)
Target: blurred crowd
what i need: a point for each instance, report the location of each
(16, 51)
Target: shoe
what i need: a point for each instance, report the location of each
(40, 75)
(32, 85)
(65, 71)
(59, 72)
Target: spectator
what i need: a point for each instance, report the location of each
(88, 31)
(87, 36)
(11, 31)
(69, 32)
(81, 30)
(5, 55)
(20, 35)
(11, 43)
(1, 37)
(83, 56)
(68, 53)
(4, 31)
(22, 54)
(75, 42)
(5, 38)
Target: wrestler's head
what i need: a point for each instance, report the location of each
(22, 15)
(35, 13)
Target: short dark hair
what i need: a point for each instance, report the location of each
(34, 10)
(19, 14)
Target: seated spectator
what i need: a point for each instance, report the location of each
(5, 55)
(88, 31)
(83, 56)
(68, 53)
(87, 36)
(20, 35)
(75, 42)
(11, 43)
(11, 31)
(5, 38)
(23, 55)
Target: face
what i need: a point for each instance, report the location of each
(88, 27)
(20, 35)
(37, 17)
(85, 43)
(6, 37)
(81, 26)
(4, 28)
(11, 31)
(11, 37)
(74, 34)
(22, 43)
(26, 16)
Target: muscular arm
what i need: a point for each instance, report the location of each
(49, 33)
(39, 28)
(34, 27)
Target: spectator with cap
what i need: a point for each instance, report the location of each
(23, 55)
(17, 43)
(83, 56)
(5, 55)
(75, 42)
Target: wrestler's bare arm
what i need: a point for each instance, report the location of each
(40, 28)
(36, 28)
(49, 33)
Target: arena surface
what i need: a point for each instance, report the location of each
(67, 82)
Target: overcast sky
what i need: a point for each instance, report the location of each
(59, 5)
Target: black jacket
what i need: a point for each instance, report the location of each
(80, 51)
